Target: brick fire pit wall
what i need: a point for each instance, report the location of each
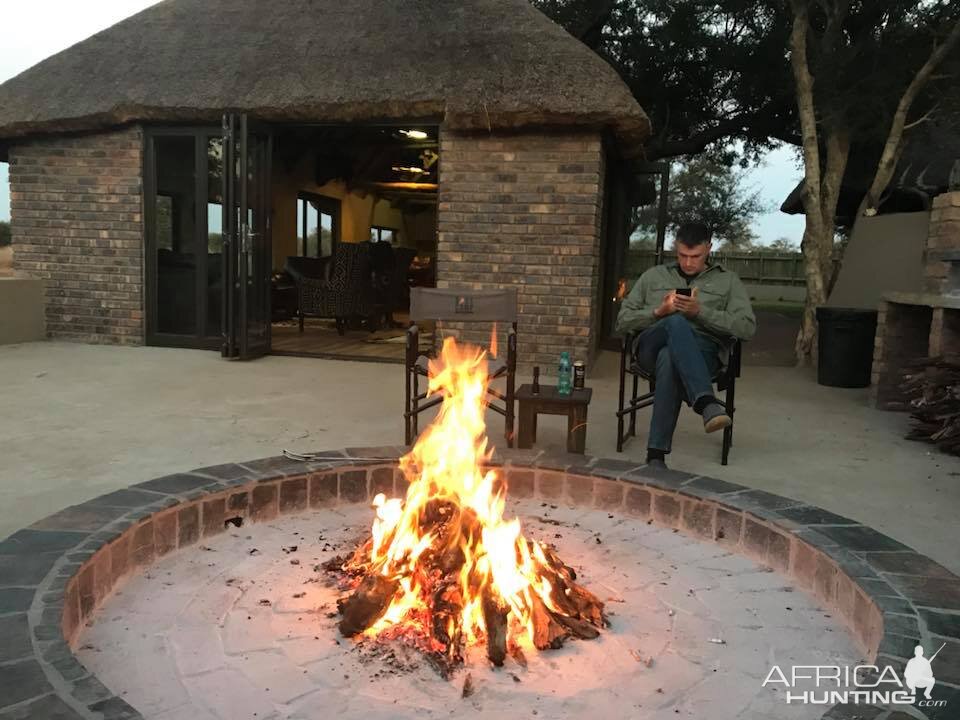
(54, 574)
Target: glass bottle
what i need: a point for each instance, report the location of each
(564, 385)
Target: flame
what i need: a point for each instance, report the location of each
(453, 510)
(621, 289)
(493, 341)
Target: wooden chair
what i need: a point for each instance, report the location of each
(462, 306)
(725, 379)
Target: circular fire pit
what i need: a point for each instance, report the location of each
(155, 584)
(246, 623)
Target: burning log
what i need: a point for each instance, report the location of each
(557, 564)
(547, 632)
(367, 604)
(496, 619)
(579, 628)
(447, 609)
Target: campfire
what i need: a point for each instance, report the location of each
(442, 568)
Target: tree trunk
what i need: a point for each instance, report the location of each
(812, 244)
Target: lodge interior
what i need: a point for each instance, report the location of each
(353, 214)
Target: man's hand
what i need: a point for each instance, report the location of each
(688, 305)
(668, 306)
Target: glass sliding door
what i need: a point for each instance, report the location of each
(247, 247)
(214, 246)
(175, 251)
(183, 169)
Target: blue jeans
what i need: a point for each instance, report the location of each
(683, 362)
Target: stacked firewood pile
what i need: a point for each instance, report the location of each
(932, 388)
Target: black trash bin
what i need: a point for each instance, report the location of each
(845, 356)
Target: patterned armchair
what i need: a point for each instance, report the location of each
(348, 293)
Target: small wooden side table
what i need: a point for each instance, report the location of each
(549, 402)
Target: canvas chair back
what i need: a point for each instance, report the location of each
(463, 305)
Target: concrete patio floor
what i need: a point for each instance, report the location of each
(80, 420)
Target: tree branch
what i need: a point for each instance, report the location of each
(920, 120)
(887, 164)
(697, 143)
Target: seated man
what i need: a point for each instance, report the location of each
(685, 336)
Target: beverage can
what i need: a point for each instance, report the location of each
(579, 375)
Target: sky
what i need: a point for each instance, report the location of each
(37, 29)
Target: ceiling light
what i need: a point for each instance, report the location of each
(414, 134)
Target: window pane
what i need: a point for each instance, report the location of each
(374, 234)
(386, 235)
(164, 222)
(301, 246)
(175, 233)
(313, 222)
(214, 235)
(326, 234)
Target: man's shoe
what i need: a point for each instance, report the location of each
(715, 418)
(656, 464)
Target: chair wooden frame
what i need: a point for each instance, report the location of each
(725, 379)
(484, 306)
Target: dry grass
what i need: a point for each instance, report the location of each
(6, 261)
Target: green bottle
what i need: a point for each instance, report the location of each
(564, 384)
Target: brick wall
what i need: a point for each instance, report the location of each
(76, 217)
(524, 211)
(903, 334)
(943, 235)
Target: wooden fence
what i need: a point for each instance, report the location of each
(754, 268)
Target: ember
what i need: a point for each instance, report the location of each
(442, 568)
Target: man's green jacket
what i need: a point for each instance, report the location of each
(724, 304)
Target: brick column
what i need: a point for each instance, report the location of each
(524, 211)
(943, 235)
(76, 217)
(904, 333)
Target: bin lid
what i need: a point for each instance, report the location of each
(842, 313)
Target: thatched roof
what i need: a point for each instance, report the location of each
(474, 64)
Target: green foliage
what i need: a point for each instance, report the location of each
(704, 71)
(708, 72)
(703, 189)
(784, 244)
(5, 235)
(716, 195)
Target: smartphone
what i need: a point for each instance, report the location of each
(684, 291)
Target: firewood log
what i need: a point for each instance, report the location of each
(557, 564)
(589, 606)
(496, 618)
(547, 632)
(367, 604)
(447, 607)
(578, 628)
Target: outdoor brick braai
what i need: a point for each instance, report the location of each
(913, 326)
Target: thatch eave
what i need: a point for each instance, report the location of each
(630, 134)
